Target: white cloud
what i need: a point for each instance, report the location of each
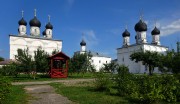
(170, 28)
(70, 2)
(90, 38)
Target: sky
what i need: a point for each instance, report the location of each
(101, 21)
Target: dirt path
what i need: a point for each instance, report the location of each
(45, 94)
(47, 82)
(42, 93)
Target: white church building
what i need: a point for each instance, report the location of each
(35, 39)
(123, 53)
(97, 60)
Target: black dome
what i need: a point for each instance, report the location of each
(136, 37)
(22, 22)
(35, 22)
(155, 31)
(49, 26)
(83, 43)
(44, 32)
(140, 26)
(126, 33)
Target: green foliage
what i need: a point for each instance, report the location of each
(102, 81)
(80, 63)
(25, 60)
(4, 88)
(10, 70)
(110, 67)
(1, 59)
(147, 89)
(151, 59)
(40, 60)
(16, 96)
(87, 95)
(124, 81)
(55, 51)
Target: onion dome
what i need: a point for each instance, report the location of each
(140, 26)
(155, 31)
(35, 22)
(49, 26)
(136, 37)
(22, 22)
(126, 33)
(44, 33)
(83, 43)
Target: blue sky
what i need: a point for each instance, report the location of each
(102, 21)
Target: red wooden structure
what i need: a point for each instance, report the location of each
(58, 65)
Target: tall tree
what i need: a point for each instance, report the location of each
(151, 59)
(1, 58)
(25, 60)
(40, 60)
(81, 63)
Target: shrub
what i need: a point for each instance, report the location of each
(124, 81)
(102, 81)
(156, 88)
(4, 87)
(10, 70)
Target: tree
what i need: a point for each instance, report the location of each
(110, 67)
(1, 59)
(151, 59)
(40, 60)
(80, 63)
(25, 60)
(55, 51)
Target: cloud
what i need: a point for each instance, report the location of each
(90, 38)
(170, 28)
(70, 2)
(68, 5)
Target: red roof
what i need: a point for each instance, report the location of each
(60, 54)
(6, 62)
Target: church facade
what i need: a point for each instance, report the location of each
(123, 53)
(97, 60)
(35, 39)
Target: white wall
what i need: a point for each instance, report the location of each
(123, 56)
(20, 42)
(99, 62)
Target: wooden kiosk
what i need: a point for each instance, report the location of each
(58, 65)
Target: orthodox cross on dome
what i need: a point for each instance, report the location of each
(22, 12)
(126, 27)
(83, 36)
(141, 15)
(35, 12)
(155, 22)
(49, 17)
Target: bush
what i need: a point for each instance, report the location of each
(147, 89)
(156, 88)
(10, 70)
(4, 87)
(102, 81)
(124, 81)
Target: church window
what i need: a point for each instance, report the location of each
(99, 61)
(49, 32)
(22, 29)
(35, 30)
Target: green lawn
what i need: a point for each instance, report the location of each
(17, 96)
(87, 95)
(41, 77)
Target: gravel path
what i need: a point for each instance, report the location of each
(45, 94)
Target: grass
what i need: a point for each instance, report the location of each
(87, 95)
(17, 96)
(41, 77)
